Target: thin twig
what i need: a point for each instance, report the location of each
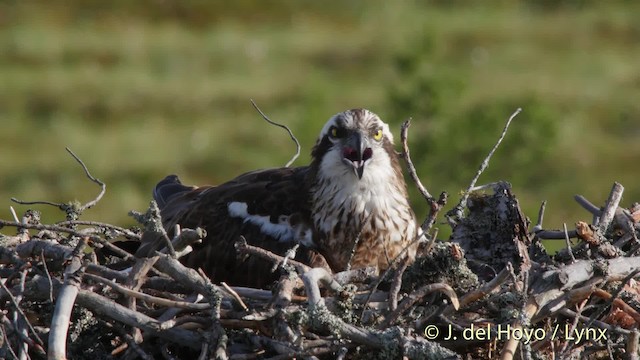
(46, 271)
(295, 140)
(610, 207)
(568, 243)
(434, 205)
(103, 186)
(19, 310)
(148, 298)
(70, 208)
(126, 232)
(404, 129)
(456, 213)
(538, 226)
(235, 295)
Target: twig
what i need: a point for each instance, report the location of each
(632, 344)
(235, 296)
(126, 232)
(396, 284)
(46, 271)
(610, 207)
(13, 213)
(295, 140)
(568, 243)
(418, 295)
(19, 310)
(244, 248)
(485, 289)
(148, 298)
(587, 205)
(125, 255)
(64, 304)
(73, 210)
(404, 130)
(434, 205)
(103, 186)
(538, 226)
(455, 214)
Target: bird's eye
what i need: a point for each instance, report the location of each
(334, 132)
(377, 136)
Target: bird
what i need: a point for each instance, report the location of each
(348, 208)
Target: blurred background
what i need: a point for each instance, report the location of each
(139, 90)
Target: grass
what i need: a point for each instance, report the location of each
(146, 89)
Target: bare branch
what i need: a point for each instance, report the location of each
(568, 243)
(434, 205)
(72, 209)
(295, 140)
(456, 213)
(103, 186)
(610, 207)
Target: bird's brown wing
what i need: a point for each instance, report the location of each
(270, 208)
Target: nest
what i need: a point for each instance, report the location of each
(492, 291)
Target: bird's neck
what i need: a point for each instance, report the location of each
(371, 210)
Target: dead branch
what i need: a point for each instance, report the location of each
(65, 302)
(456, 213)
(73, 209)
(293, 138)
(610, 207)
(434, 205)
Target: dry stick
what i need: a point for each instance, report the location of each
(15, 304)
(538, 227)
(126, 232)
(568, 242)
(601, 324)
(295, 140)
(46, 271)
(117, 312)
(125, 255)
(131, 342)
(396, 285)
(434, 205)
(64, 304)
(103, 186)
(244, 248)
(218, 348)
(574, 324)
(148, 298)
(614, 296)
(610, 207)
(456, 213)
(235, 296)
(418, 295)
(23, 349)
(632, 345)
(68, 207)
(587, 205)
(483, 290)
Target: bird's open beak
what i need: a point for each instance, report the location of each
(355, 153)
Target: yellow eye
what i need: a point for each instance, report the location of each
(334, 132)
(377, 136)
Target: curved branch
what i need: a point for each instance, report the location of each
(295, 140)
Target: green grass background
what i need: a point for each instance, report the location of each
(143, 89)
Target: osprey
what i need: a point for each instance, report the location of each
(348, 209)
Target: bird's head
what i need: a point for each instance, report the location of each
(352, 142)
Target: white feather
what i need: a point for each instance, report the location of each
(281, 231)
